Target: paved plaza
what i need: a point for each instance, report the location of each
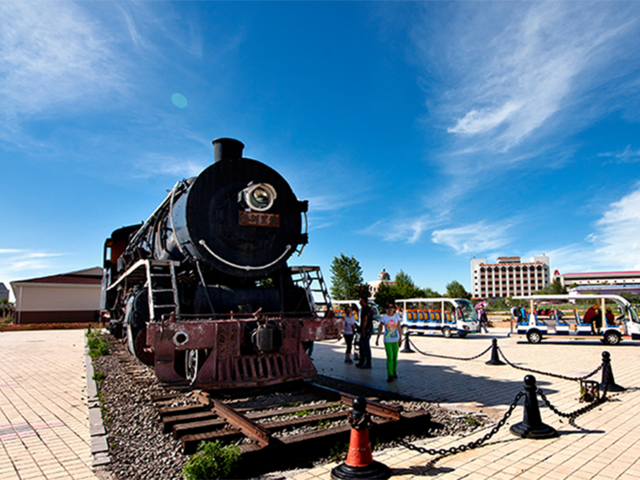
(44, 422)
(603, 443)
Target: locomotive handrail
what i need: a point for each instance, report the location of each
(140, 263)
(145, 226)
(244, 267)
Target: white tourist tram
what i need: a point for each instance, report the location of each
(450, 316)
(625, 324)
(340, 305)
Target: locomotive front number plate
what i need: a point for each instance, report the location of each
(259, 219)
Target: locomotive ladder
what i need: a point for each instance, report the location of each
(163, 291)
(310, 278)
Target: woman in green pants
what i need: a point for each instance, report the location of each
(392, 340)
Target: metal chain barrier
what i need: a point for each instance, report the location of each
(470, 445)
(575, 413)
(447, 357)
(549, 374)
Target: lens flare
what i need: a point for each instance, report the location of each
(179, 100)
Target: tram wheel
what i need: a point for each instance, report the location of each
(446, 331)
(611, 338)
(534, 336)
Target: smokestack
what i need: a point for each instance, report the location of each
(227, 149)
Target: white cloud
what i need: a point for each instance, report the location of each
(403, 230)
(618, 235)
(21, 264)
(626, 156)
(507, 82)
(52, 55)
(613, 245)
(173, 166)
(477, 237)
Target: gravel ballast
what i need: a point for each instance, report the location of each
(139, 449)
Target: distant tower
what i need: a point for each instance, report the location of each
(384, 277)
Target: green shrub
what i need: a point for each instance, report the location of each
(99, 377)
(212, 461)
(97, 347)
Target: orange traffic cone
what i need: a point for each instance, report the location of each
(360, 463)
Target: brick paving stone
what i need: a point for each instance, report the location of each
(43, 400)
(604, 441)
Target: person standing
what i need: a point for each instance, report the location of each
(366, 330)
(482, 317)
(392, 339)
(349, 323)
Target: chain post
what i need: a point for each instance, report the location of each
(406, 348)
(608, 381)
(495, 357)
(532, 425)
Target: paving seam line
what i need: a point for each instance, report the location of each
(99, 444)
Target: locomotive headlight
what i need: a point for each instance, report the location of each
(259, 197)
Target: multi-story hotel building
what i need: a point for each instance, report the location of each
(508, 276)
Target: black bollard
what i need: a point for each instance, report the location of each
(531, 425)
(406, 348)
(608, 382)
(495, 358)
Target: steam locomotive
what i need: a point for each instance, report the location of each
(202, 291)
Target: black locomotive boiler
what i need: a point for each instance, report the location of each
(202, 289)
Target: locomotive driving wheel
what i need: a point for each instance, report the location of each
(192, 365)
(193, 362)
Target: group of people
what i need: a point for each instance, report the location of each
(594, 317)
(389, 323)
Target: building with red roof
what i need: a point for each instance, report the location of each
(601, 282)
(65, 298)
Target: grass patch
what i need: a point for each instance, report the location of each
(213, 461)
(98, 346)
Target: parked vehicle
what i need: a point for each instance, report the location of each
(611, 330)
(450, 316)
(340, 305)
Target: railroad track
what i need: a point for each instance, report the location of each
(283, 426)
(278, 425)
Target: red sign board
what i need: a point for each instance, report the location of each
(259, 219)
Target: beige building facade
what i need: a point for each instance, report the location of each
(66, 298)
(508, 276)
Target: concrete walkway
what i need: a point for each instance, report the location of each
(44, 424)
(604, 443)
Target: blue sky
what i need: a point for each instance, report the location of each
(422, 134)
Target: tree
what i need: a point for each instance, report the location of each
(554, 288)
(427, 293)
(385, 295)
(456, 290)
(404, 286)
(346, 277)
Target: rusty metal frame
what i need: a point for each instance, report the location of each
(251, 429)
